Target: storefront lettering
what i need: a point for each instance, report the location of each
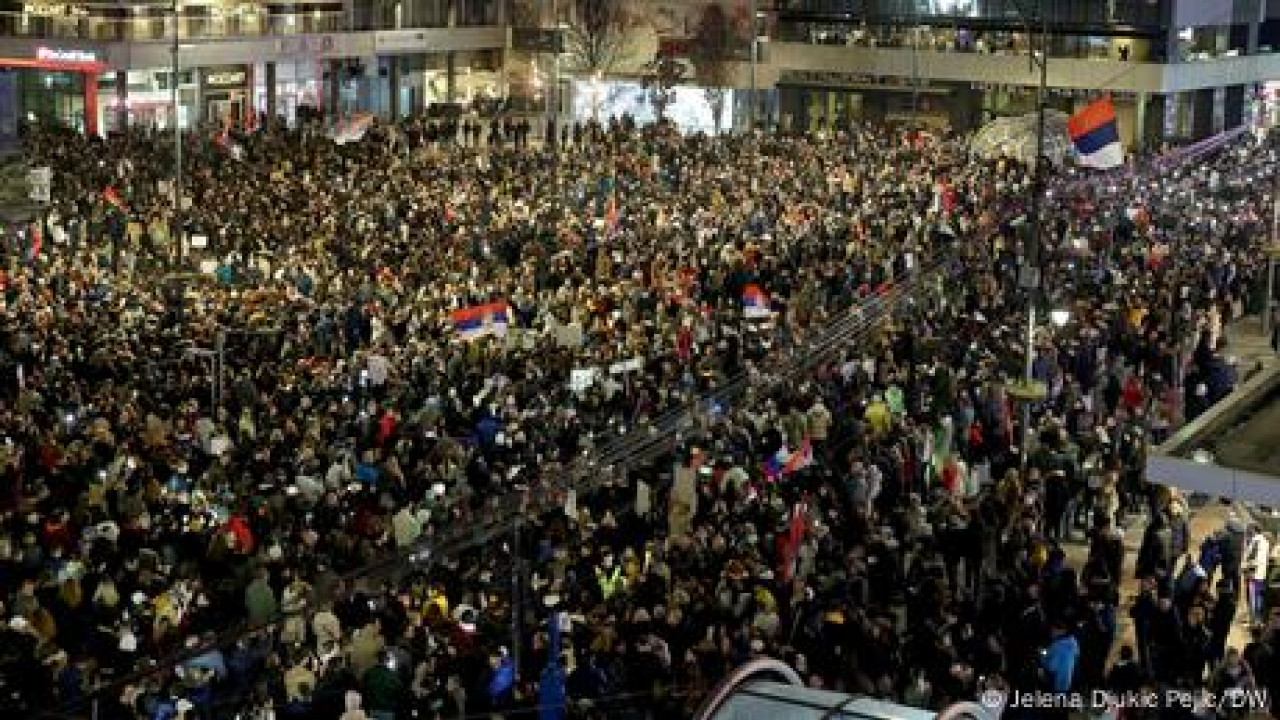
(229, 78)
(315, 45)
(65, 55)
(838, 79)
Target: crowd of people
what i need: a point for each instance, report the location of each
(264, 468)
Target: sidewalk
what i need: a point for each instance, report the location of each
(1246, 341)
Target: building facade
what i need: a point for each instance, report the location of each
(1176, 69)
(99, 67)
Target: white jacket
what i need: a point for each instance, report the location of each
(1257, 555)
(354, 711)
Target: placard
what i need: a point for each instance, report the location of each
(569, 336)
(633, 365)
(644, 499)
(684, 501)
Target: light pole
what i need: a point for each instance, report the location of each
(755, 61)
(1030, 391)
(177, 139)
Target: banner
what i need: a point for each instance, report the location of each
(684, 501)
(40, 183)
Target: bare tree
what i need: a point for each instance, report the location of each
(596, 38)
(524, 14)
(714, 48)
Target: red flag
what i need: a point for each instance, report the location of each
(37, 239)
(789, 545)
(611, 216)
(112, 197)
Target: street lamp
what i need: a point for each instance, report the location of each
(1059, 317)
(177, 138)
(1269, 306)
(755, 61)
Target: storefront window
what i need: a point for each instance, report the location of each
(52, 98)
(425, 13)
(479, 12)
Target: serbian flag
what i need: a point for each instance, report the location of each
(1093, 133)
(755, 303)
(481, 320)
(800, 459)
(37, 239)
(775, 464)
(112, 198)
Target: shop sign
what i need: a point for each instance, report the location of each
(537, 40)
(228, 77)
(841, 79)
(308, 45)
(49, 54)
(39, 183)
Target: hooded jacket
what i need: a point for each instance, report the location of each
(354, 710)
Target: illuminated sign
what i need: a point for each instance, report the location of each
(65, 55)
(226, 77)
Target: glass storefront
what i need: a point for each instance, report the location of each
(52, 97)
(299, 84)
(149, 101)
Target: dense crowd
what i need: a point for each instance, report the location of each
(871, 522)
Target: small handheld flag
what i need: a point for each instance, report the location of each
(785, 462)
(755, 303)
(112, 198)
(481, 320)
(1093, 133)
(611, 216)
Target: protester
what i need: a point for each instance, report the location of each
(420, 325)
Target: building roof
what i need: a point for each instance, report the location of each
(1233, 450)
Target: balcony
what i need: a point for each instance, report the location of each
(988, 69)
(1117, 75)
(159, 26)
